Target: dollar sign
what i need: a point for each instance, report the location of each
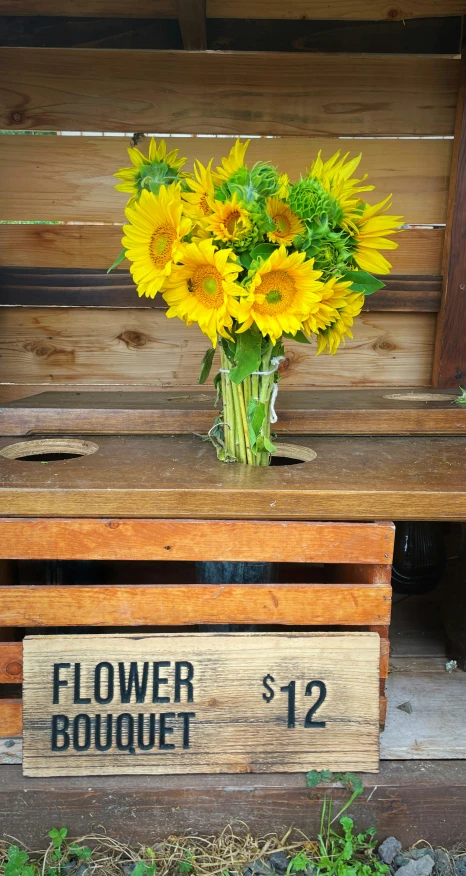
(270, 691)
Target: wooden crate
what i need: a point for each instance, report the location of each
(352, 591)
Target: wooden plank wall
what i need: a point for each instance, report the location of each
(301, 102)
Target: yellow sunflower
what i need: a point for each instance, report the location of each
(133, 177)
(334, 335)
(370, 237)
(153, 237)
(229, 220)
(334, 296)
(287, 224)
(281, 295)
(232, 163)
(203, 287)
(202, 188)
(334, 175)
(284, 189)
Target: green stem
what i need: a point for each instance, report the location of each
(244, 422)
(228, 408)
(240, 443)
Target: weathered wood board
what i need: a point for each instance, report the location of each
(211, 703)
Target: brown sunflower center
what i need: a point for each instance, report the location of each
(161, 244)
(231, 221)
(279, 292)
(206, 285)
(204, 205)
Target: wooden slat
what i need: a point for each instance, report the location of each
(316, 412)
(318, 9)
(123, 347)
(321, 95)
(70, 178)
(86, 288)
(183, 605)
(426, 36)
(11, 663)
(406, 799)
(11, 717)
(191, 15)
(93, 246)
(450, 348)
(351, 478)
(331, 9)
(284, 542)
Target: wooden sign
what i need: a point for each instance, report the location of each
(200, 703)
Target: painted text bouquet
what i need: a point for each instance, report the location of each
(253, 259)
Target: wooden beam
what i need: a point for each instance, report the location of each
(192, 18)
(351, 10)
(11, 663)
(93, 246)
(11, 717)
(80, 287)
(356, 478)
(316, 412)
(228, 93)
(185, 605)
(450, 349)
(432, 792)
(252, 541)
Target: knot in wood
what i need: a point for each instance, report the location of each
(13, 668)
(383, 346)
(395, 14)
(133, 340)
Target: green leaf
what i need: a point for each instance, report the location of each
(206, 365)
(461, 400)
(299, 336)
(247, 355)
(256, 416)
(263, 251)
(268, 445)
(362, 281)
(118, 261)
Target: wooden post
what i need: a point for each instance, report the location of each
(450, 348)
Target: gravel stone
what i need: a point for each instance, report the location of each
(443, 865)
(279, 862)
(389, 849)
(460, 866)
(417, 867)
(258, 868)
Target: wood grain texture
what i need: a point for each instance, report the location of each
(89, 8)
(450, 348)
(11, 663)
(251, 541)
(86, 89)
(185, 605)
(11, 717)
(316, 412)
(426, 36)
(191, 15)
(122, 347)
(233, 728)
(419, 734)
(433, 793)
(329, 9)
(70, 178)
(65, 287)
(93, 246)
(415, 478)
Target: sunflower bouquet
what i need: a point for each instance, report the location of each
(253, 259)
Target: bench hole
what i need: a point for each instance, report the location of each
(49, 449)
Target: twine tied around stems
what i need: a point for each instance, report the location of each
(275, 361)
